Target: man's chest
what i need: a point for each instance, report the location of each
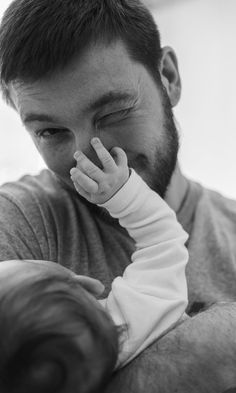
(211, 273)
(97, 248)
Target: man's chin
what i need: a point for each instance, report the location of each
(65, 181)
(154, 181)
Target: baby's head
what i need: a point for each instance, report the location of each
(54, 335)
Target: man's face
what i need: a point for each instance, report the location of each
(103, 93)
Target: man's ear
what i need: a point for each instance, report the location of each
(170, 75)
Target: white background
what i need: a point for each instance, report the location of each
(203, 34)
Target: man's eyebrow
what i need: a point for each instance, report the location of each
(31, 117)
(111, 97)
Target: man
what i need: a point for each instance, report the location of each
(78, 69)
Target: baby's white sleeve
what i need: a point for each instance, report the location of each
(151, 296)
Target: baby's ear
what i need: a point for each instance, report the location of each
(93, 286)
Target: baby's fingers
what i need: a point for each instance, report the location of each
(82, 192)
(85, 165)
(119, 156)
(103, 155)
(95, 287)
(83, 182)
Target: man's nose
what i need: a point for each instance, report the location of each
(84, 144)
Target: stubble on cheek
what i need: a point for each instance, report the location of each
(142, 164)
(139, 163)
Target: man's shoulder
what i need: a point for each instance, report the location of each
(24, 213)
(35, 214)
(217, 206)
(43, 198)
(42, 184)
(31, 191)
(211, 225)
(206, 207)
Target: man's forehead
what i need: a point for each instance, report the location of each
(23, 94)
(100, 67)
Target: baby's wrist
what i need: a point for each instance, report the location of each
(121, 185)
(118, 190)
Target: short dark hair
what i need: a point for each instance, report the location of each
(45, 323)
(39, 37)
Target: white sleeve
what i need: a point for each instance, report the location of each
(152, 294)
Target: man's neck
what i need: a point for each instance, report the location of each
(176, 190)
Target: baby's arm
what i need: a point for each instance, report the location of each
(151, 297)
(152, 294)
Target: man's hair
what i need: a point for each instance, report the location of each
(39, 37)
(54, 338)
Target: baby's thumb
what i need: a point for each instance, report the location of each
(95, 287)
(119, 156)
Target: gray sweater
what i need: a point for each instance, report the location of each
(40, 218)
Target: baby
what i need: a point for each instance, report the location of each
(56, 335)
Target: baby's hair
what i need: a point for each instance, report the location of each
(54, 338)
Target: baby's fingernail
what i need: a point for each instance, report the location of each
(77, 154)
(72, 171)
(95, 140)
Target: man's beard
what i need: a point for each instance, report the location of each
(158, 176)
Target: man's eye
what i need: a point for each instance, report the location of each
(50, 132)
(114, 117)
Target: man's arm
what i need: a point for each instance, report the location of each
(198, 356)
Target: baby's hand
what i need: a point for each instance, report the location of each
(95, 184)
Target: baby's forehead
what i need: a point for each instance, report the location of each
(14, 269)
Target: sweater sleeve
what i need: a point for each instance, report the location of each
(151, 296)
